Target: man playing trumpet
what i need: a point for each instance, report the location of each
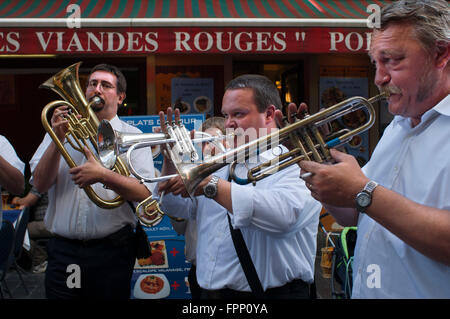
(279, 231)
(400, 199)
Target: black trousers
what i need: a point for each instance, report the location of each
(296, 289)
(93, 269)
(193, 284)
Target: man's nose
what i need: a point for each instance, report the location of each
(230, 123)
(382, 77)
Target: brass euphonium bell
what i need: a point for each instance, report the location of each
(80, 129)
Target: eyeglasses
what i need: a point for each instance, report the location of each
(103, 85)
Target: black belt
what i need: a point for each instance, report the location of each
(116, 237)
(291, 287)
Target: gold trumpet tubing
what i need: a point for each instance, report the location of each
(325, 151)
(275, 165)
(298, 127)
(297, 143)
(310, 144)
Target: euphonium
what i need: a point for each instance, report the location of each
(80, 129)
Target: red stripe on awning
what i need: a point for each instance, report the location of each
(22, 9)
(38, 9)
(329, 8)
(247, 11)
(9, 7)
(202, 9)
(262, 10)
(316, 5)
(188, 9)
(55, 6)
(291, 9)
(142, 9)
(345, 10)
(99, 6)
(276, 8)
(173, 8)
(232, 9)
(357, 8)
(113, 9)
(217, 10)
(128, 9)
(158, 9)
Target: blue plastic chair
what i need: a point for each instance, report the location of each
(7, 236)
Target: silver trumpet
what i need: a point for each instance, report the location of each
(178, 144)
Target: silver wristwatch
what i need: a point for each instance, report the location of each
(364, 198)
(210, 189)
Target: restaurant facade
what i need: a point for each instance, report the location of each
(309, 49)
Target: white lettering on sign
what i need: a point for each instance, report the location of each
(353, 41)
(10, 42)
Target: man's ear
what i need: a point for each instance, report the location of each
(270, 113)
(122, 97)
(442, 55)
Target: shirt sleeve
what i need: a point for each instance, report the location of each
(282, 204)
(9, 154)
(177, 206)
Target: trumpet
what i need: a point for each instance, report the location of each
(112, 143)
(82, 125)
(304, 135)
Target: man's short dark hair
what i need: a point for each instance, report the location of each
(121, 85)
(265, 92)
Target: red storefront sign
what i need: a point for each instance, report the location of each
(184, 40)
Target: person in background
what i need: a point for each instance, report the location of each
(11, 168)
(399, 200)
(101, 242)
(36, 228)
(188, 227)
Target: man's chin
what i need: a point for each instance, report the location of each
(97, 108)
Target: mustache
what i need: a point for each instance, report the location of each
(389, 89)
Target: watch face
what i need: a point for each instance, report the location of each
(364, 199)
(209, 190)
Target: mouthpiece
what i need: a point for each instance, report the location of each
(96, 100)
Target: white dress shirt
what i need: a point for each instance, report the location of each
(414, 162)
(278, 219)
(71, 213)
(10, 155)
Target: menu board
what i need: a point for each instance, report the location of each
(164, 274)
(193, 95)
(337, 89)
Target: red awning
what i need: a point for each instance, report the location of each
(192, 26)
(125, 9)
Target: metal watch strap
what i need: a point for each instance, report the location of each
(370, 186)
